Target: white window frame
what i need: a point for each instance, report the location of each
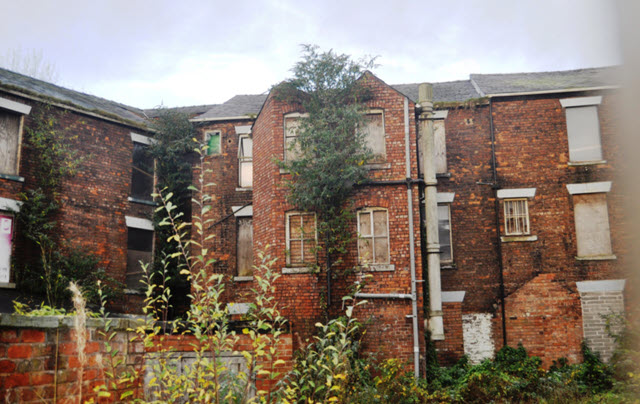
(242, 159)
(377, 158)
(517, 217)
(288, 238)
(584, 103)
(372, 261)
(207, 136)
(450, 260)
(290, 115)
(20, 109)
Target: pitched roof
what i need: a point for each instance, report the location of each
(84, 101)
(238, 106)
(191, 111)
(493, 84)
(447, 91)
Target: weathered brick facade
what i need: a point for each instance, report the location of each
(505, 141)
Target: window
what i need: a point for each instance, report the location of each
(11, 114)
(592, 219)
(444, 233)
(213, 142)
(245, 246)
(583, 128)
(6, 237)
(516, 213)
(301, 238)
(291, 127)
(516, 217)
(375, 135)
(245, 161)
(373, 236)
(142, 178)
(439, 142)
(139, 249)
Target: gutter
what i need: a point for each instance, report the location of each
(384, 296)
(540, 92)
(226, 118)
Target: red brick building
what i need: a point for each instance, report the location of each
(492, 214)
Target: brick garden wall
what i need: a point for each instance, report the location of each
(39, 358)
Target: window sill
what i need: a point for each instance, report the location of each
(133, 292)
(142, 201)
(586, 163)
(443, 175)
(511, 239)
(378, 166)
(378, 267)
(243, 278)
(297, 270)
(597, 258)
(10, 177)
(7, 285)
(448, 265)
(244, 189)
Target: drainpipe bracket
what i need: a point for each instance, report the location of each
(435, 313)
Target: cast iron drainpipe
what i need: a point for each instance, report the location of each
(495, 186)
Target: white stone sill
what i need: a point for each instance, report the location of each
(243, 278)
(597, 258)
(512, 239)
(244, 189)
(297, 270)
(7, 285)
(586, 163)
(377, 268)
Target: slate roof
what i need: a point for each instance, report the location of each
(448, 91)
(84, 101)
(191, 111)
(238, 106)
(491, 84)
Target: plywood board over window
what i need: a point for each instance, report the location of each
(245, 246)
(592, 225)
(9, 142)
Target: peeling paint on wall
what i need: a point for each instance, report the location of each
(477, 333)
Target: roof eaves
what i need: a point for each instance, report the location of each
(224, 118)
(71, 106)
(564, 90)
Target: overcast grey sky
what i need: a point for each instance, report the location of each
(150, 52)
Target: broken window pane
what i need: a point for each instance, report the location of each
(141, 173)
(139, 248)
(374, 130)
(212, 139)
(301, 238)
(245, 162)
(373, 240)
(6, 231)
(444, 233)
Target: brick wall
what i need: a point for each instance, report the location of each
(95, 200)
(39, 358)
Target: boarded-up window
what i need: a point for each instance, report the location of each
(245, 162)
(444, 233)
(6, 231)
(516, 217)
(212, 140)
(9, 142)
(440, 146)
(583, 128)
(592, 224)
(301, 238)
(373, 237)
(245, 246)
(374, 130)
(291, 127)
(139, 248)
(141, 173)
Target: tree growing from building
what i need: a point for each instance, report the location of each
(330, 146)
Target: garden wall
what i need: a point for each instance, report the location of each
(39, 358)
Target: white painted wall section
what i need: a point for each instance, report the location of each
(477, 332)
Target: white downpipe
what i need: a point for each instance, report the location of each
(431, 213)
(412, 253)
